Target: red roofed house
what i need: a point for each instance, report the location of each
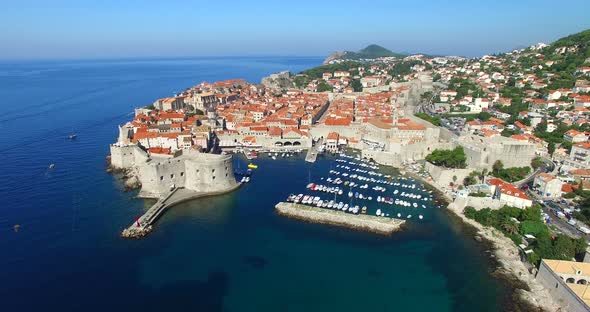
(522, 127)
(332, 142)
(575, 136)
(509, 193)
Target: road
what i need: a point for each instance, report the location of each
(561, 224)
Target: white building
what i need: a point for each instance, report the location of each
(509, 194)
(548, 185)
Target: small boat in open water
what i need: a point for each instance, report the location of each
(252, 166)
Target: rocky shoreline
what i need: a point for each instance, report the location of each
(131, 181)
(372, 224)
(529, 294)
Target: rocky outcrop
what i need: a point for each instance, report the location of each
(132, 183)
(279, 81)
(335, 56)
(136, 232)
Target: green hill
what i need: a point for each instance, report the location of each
(370, 52)
(375, 51)
(581, 39)
(569, 52)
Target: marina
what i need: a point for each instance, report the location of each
(356, 188)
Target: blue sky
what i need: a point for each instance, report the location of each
(133, 28)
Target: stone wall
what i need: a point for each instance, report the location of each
(477, 202)
(443, 176)
(126, 156)
(210, 173)
(195, 171)
(264, 141)
(192, 170)
(484, 152)
(558, 289)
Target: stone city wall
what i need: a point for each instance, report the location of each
(127, 156)
(194, 171)
(443, 176)
(558, 289)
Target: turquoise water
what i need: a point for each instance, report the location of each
(226, 253)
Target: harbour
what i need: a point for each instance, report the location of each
(221, 251)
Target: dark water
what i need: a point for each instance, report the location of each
(227, 253)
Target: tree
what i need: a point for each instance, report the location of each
(469, 180)
(536, 162)
(301, 81)
(526, 121)
(454, 158)
(551, 148)
(510, 227)
(542, 126)
(535, 228)
(498, 165)
(564, 247)
(356, 85)
(323, 86)
(484, 116)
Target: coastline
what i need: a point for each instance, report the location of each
(529, 294)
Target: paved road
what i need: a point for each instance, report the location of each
(563, 226)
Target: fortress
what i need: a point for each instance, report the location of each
(158, 173)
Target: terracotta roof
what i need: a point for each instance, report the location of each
(159, 150)
(580, 172)
(332, 136)
(507, 188)
(567, 188)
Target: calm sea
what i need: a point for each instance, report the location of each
(228, 253)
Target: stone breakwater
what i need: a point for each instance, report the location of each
(373, 224)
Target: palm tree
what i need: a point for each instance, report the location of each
(510, 226)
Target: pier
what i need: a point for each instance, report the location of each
(373, 224)
(143, 225)
(312, 152)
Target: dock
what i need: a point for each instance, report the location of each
(144, 224)
(373, 224)
(312, 152)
